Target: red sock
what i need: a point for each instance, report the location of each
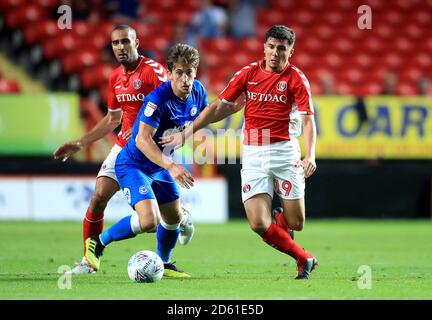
(92, 225)
(279, 239)
(281, 221)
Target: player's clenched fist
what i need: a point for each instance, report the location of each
(181, 175)
(67, 149)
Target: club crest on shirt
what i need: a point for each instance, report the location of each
(137, 84)
(281, 86)
(193, 111)
(150, 108)
(246, 188)
(143, 190)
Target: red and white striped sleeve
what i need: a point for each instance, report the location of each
(157, 75)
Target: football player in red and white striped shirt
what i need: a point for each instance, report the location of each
(278, 106)
(128, 85)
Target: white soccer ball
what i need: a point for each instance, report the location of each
(145, 266)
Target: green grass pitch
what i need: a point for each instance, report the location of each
(226, 262)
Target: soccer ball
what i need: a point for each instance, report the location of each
(145, 266)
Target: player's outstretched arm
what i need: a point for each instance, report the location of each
(106, 125)
(215, 112)
(146, 144)
(309, 132)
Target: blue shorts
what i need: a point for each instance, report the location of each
(137, 185)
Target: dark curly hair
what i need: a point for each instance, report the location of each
(281, 32)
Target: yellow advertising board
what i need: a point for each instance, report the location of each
(386, 127)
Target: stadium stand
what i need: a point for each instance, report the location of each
(326, 39)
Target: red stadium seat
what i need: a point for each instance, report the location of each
(282, 5)
(403, 5)
(163, 5)
(47, 5)
(98, 41)
(25, 15)
(343, 5)
(371, 88)
(271, 17)
(422, 60)
(353, 33)
(422, 18)
(9, 5)
(333, 18)
(406, 89)
(410, 74)
(103, 94)
(9, 86)
(374, 45)
(40, 31)
(364, 60)
(83, 29)
(305, 17)
(212, 60)
(413, 32)
(303, 58)
(353, 76)
(143, 30)
(333, 60)
(404, 45)
(183, 15)
(61, 45)
(345, 46)
(392, 61)
(315, 4)
(311, 44)
(315, 87)
(385, 32)
(218, 45)
(253, 45)
(392, 18)
(325, 33)
(95, 77)
(158, 44)
(75, 62)
(345, 88)
(217, 86)
(106, 27)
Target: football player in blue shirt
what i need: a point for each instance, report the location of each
(146, 173)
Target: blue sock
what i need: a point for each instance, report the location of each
(167, 240)
(119, 231)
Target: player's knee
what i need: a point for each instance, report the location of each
(172, 217)
(297, 225)
(100, 199)
(148, 225)
(258, 227)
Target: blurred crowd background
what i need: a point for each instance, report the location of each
(394, 57)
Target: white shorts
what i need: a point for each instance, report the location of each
(107, 169)
(276, 167)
